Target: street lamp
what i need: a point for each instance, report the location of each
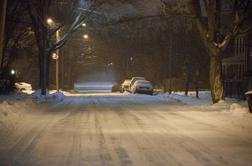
(49, 21)
(84, 25)
(85, 36)
(12, 72)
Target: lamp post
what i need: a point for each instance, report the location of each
(57, 62)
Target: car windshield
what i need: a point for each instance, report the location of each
(143, 82)
(138, 78)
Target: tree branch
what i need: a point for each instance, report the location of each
(196, 10)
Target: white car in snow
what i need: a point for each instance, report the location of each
(142, 86)
(23, 86)
(133, 80)
(125, 86)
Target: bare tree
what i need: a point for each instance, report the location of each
(38, 12)
(17, 32)
(216, 38)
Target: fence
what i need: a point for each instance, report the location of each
(234, 89)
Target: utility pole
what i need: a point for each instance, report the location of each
(55, 56)
(170, 65)
(62, 69)
(3, 6)
(57, 62)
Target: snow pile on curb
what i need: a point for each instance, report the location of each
(237, 108)
(50, 96)
(205, 98)
(205, 102)
(11, 111)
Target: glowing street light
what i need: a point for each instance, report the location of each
(49, 21)
(84, 25)
(85, 36)
(13, 72)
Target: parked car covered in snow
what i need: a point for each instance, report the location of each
(125, 86)
(23, 86)
(133, 80)
(142, 86)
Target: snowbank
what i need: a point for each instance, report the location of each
(204, 98)
(50, 96)
(204, 101)
(17, 107)
(237, 108)
(12, 110)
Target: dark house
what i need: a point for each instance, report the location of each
(236, 69)
(237, 61)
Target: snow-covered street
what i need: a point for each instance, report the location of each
(124, 129)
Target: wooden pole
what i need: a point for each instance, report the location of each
(57, 63)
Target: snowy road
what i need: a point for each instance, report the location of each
(127, 130)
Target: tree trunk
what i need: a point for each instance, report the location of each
(40, 70)
(216, 83)
(197, 85)
(3, 5)
(44, 81)
(44, 55)
(187, 82)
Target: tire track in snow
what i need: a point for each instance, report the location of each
(104, 153)
(23, 148)
(119, 152)
(148, 147)
(222, 130)
(21, 151)
(74, 155)
(200, 152)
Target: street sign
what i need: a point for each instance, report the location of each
(55, 56)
